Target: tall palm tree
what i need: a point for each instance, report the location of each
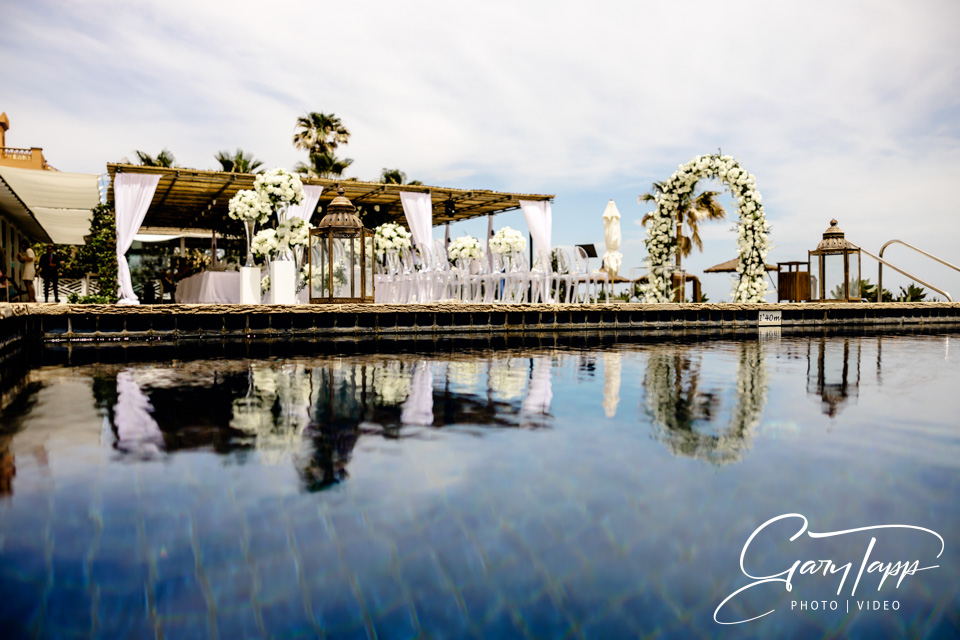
(163, 159)
(323, 165)
(692, 210)
(395, 176)
(238, 162)
(320, 133)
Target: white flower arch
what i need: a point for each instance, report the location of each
(752, 228)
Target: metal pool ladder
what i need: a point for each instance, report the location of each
(899, 270)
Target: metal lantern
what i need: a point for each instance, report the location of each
(834, 268)
(341, 256)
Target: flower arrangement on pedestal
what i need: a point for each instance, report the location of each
(507, 240)
(752, 228)
(249, 207)
(280, 188)
(465, 248)
(390, 237)
(276, 244)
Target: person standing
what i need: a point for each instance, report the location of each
(28, 258)
(50, 272)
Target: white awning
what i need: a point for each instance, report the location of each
(50, 205)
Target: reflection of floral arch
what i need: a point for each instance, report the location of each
(673, 399)
(752, 228)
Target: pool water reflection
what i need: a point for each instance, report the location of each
(602, 492)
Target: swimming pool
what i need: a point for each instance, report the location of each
(599, 491)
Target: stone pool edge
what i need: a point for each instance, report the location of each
(55, 323)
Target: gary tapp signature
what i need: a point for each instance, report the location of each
(885, 570)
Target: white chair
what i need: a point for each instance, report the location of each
(591, 279)
(563, 279)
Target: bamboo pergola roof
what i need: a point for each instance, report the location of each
(196, 199)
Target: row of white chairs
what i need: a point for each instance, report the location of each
(425, 275)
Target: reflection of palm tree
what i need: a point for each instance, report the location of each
(237, 162)
(163, 159)
(691, 211)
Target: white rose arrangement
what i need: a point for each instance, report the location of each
(249, 205)
(390, 237)
(752, 228)
(279, 187)
(269, 243)
(465, 248)
(507, 240)
(264, 244)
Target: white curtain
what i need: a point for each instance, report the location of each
(304, 210)
(539, 219)
(134, 192)
(418, 407)
(418, 209)
(489, 235)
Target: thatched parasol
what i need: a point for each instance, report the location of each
(730, 266)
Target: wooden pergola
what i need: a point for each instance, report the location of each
(196, 199)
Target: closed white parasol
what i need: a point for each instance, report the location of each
(611, 235)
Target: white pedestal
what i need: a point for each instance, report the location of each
(283, 282)
(249, 285)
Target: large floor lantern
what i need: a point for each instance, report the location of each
(341, 256)
(834, 268)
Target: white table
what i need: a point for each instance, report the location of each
(210, 287)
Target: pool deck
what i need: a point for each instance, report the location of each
(54, 323)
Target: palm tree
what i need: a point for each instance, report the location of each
(163, 159)
(323, 165)
(238, 162)
(691, 211)
(395, 176)
(320, 133)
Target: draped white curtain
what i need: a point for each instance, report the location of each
(418, 209)
(418, 407)
(134, 192)
(489, 235)
(539, 219)
(311, 196)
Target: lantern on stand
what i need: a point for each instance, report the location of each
(834, 268)
(341, 256)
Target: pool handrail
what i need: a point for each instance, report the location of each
(899, 270)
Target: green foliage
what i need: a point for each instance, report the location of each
(238, 162)
(912, 293)
(692, 210)
(396, 176)
(323, 165)
(163, 159)
(868, 291)
(76, 298)
(320, 134)
(99, 255)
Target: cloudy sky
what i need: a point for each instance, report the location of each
(840, 109)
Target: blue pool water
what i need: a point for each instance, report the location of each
(529, 492)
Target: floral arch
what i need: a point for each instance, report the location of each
(752, 228)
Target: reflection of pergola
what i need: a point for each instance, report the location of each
(195, 199)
